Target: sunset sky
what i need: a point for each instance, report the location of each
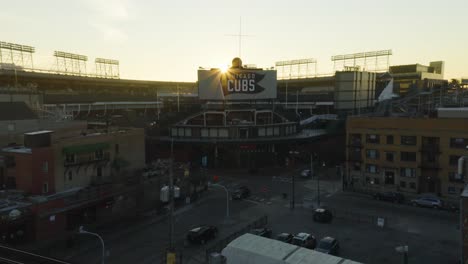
(169, 40)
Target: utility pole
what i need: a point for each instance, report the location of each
(293, 189)
(178, 100)
(318, 190)
(293, 180)
(171, 201)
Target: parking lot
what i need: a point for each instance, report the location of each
(432, 235)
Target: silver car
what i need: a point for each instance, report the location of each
(427, 202)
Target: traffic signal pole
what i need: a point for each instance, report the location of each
(170, 255)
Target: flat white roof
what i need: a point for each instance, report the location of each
(252, 249)
(39, 132)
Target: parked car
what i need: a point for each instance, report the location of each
(304, 240)
(427, 202)
(328, 245)
(323, 215)
(264, 232)
(241, 192)
(306, 174)
(202, 234)
(393, 197)
(285, 237)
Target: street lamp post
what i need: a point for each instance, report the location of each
(293, 180)
(318, 186)
(82, 231)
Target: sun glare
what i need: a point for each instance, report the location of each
(224, 68)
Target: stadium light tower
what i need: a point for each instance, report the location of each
(107, 68)
(70, 63)
(16, 55)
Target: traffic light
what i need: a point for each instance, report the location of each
(215, 179)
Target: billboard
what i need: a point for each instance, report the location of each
(236, 84)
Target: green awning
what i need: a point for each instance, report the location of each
(89, 148)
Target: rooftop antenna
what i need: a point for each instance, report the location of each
(240, 35)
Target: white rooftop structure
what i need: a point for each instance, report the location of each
(252, 249)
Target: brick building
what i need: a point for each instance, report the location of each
(69, 179)
(412, 155)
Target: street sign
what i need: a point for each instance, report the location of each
(380, 222)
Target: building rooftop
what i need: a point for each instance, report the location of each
(250, 248)
(39, 132)
(17, 149)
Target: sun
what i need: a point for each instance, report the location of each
(223, 68)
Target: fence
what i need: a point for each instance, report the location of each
(260, 222)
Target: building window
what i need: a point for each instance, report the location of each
(390, 177)
(45, 187)
(70, 175)
(99, 154)
(402, 184)
(373, 138)
(428, 157)
(451, 190)
(408, 156)
(408, 140)
(408, 172)
(455, 177)
(70, 158)
(370, 168)
(458, 142)
(390, 139)
(45, 167)
(412, 185)
(453, 160)
(117, 149)
(376, 181)
(390, 156)
(372, 154)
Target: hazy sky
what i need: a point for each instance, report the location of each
(169, 40)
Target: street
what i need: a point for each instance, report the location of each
(431, 235)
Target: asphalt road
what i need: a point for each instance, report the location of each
(147, 243)
(431, 235)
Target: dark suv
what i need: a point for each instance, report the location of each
(323, 215)
(202, 234)
(328, 245)
(393, 197)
